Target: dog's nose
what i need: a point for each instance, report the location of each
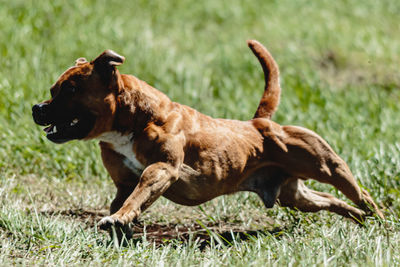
(39, 114)
(37, 108)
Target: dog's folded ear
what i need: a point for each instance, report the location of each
(106, 62)
(109, 58)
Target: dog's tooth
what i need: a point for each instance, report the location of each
(54, 129)
(74, 121)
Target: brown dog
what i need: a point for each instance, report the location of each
(154, 147)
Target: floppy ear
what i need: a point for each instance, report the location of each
(109, 59)
(106, 62)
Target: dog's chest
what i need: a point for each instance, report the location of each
(123, 144)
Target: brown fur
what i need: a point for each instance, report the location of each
(190, 158)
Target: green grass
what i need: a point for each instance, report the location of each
(339, 63)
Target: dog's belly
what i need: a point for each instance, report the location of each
(192, 188)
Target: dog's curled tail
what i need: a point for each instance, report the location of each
(270, 99)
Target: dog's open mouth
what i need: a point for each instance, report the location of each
(52, 129)
(76, 128)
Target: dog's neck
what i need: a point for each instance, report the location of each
(138, 104)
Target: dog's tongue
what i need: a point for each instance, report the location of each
(48, 128)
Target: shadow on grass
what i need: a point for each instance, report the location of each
(196, 233)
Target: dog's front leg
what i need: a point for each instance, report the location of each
(155, 180)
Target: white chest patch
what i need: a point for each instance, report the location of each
(123, 144)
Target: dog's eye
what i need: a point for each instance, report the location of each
(70, 89)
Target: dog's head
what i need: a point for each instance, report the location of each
(82, 103)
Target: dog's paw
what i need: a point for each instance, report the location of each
(109, 221)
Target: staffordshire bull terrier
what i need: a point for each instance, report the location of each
(154, 147)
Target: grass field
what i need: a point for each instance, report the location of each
(339, 62)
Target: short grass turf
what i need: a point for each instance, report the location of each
(339, 62)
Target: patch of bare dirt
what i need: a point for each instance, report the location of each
(340, 71)
(90, 217)
(160, 234)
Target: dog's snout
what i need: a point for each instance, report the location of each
(39, 114)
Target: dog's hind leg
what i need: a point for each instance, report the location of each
(309, 156)
(295, 194)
